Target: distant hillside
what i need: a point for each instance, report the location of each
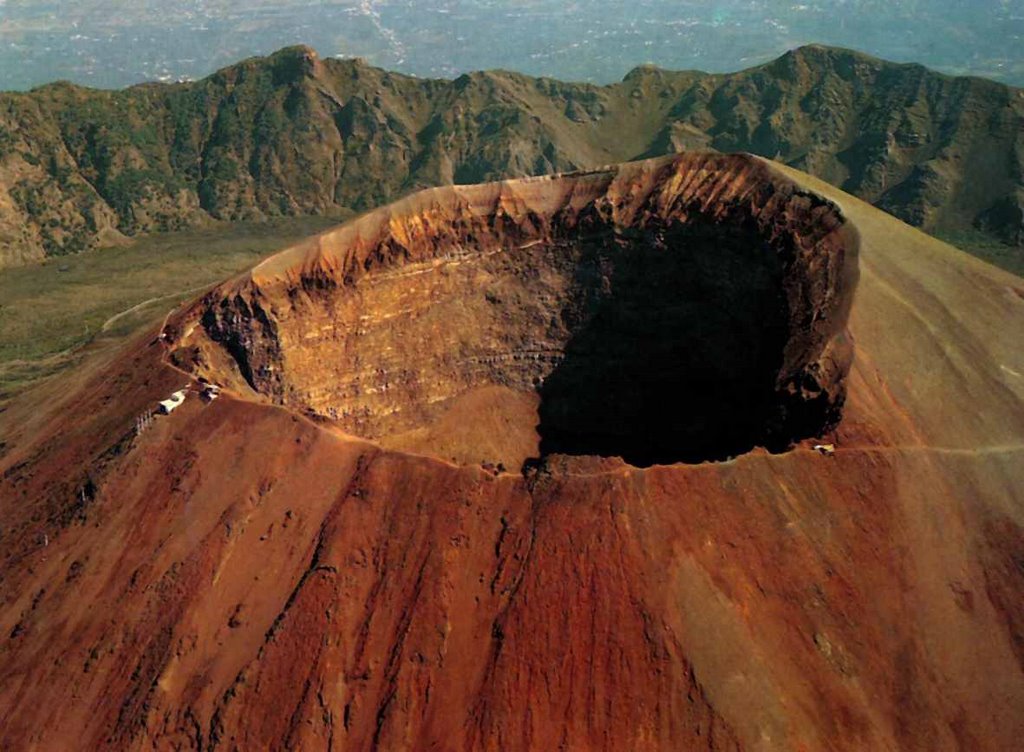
(294, 134)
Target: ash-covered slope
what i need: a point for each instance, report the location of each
(239, 576)
(293, 133)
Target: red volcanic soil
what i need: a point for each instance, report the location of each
(247, 573)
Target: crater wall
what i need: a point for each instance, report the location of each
(687, 308)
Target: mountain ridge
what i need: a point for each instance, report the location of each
(294, 133)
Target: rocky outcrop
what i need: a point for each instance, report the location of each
(690, 307)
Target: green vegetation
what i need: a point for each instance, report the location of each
(131, 185)
(294, 134)
(979, 244)
(50, 311)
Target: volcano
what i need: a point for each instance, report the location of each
(690, 453)
(680, 310)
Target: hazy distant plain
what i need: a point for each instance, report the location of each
(114, 43)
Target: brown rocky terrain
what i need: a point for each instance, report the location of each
(296, 134)
(336, 561)
(578, 286)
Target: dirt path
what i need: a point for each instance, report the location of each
(56, 359)
(139, 306)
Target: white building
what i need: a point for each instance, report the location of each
(167, 406)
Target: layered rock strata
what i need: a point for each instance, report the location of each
(683, 308)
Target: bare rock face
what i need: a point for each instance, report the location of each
(680, 309)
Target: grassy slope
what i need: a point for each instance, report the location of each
(51, 311)
(982, 246)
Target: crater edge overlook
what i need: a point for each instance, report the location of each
(687, 308)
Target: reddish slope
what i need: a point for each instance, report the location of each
(239, 577)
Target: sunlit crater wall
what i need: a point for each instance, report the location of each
(681, 309)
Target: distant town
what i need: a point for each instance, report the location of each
(104, 44)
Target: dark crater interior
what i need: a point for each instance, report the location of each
(677, 336)
(679, 310)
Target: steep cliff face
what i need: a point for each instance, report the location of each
(686, 308)
(293, 133)
(239, 576)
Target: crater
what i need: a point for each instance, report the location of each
(685, 309)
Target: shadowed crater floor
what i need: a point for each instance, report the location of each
(677, 310)
(676, 337)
